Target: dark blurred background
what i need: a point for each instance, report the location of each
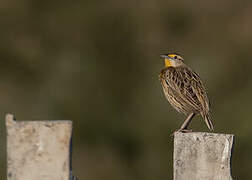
(97, 63)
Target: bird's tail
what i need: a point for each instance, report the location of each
(208, 121)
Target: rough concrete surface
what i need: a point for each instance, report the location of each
(202, 156)
(38, 150)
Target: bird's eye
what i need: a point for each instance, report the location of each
(175, 57)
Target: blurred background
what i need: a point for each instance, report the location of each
(97, 63)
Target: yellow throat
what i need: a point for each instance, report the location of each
(167, 62)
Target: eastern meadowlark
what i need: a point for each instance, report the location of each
(184, 90)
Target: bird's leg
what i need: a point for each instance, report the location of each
(185, 124)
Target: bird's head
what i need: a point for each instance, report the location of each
(172, 59)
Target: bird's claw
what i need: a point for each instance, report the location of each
(182, 131)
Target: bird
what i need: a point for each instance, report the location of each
(184, 90)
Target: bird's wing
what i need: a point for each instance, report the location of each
(188, 85)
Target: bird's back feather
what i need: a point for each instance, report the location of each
(185, 91)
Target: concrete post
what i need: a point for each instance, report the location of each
(199, 156)
(38, 150)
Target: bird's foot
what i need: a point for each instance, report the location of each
(182, 131)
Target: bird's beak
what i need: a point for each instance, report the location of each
(164, 56)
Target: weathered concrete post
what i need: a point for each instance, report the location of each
(38, 150)
(202, 156)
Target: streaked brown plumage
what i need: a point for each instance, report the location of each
(184, 90)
